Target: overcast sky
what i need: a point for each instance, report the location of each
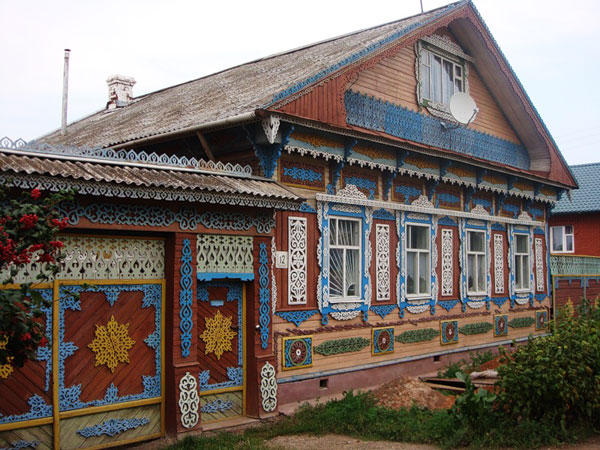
(551, 44)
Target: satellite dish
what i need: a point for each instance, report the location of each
(463, 108)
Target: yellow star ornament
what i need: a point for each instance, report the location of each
(5, 369)
(112, 344)
(218, 334)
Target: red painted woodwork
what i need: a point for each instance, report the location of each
(455, 264)
(392, 261)
(586, 232)
(21, 384)
(80, 327)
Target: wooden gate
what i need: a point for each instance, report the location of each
(99, 382)
(221, 312)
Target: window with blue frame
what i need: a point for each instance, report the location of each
(418, 261)
(522, 270)
(476, 263)
(345, 249)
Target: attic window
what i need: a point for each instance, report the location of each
(441, 71)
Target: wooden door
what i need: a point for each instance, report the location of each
(221, 349)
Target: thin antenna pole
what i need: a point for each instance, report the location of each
(421, 6)
(63, 128)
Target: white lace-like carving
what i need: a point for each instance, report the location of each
(351, 191)
(447, 262)
(270, 126)
(539, 264)
(297, 260)
(224, 254)
(498, 264)
(382, 261)
(189, 400)
(268, 387)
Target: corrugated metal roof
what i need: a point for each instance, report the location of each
(587, 197)
(170, 178)
(233, 92)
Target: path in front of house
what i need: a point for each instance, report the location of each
(334, 441)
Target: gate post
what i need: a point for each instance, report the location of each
(182, 400)
(261, 382)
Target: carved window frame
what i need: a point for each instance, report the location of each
(443, 47)
(382, 262)
(418, 252)
(475, 253)
(520, 257)
(297, 261)
(359, 289)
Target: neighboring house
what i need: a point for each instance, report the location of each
(575, 240)
(367, 235)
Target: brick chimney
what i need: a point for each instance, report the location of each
(120, 91)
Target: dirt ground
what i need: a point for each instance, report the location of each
(333, 441)
(403, 392)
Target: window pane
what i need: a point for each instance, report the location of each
(436, 78)
(333, 232)
(424, 273)
(518, 271)
(352, 272)
(522, 243)
(425, 81)
(458, 71)
(557, 239)
(525, 269)
(336, 275)
(448, 81)
(457, 86)
(481, 270)
(471, 272)
(418, 237)
(569, 243)
(347, 233)
(411, 270)
(475, 241)
(569, 229)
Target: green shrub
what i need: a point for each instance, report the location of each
(555, 379)
(475, 408)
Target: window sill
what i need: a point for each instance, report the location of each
(337, 300)
(477, 294)
(418, 297)
(523, 291)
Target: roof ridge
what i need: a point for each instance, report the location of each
(585, 164)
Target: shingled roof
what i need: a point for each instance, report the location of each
(235, 91)
(587, 197)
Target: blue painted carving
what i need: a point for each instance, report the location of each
(268, 154)
(446, 198)
(383, 214)
(45, 353)
(383, 310)
(338, 166)
(447, 304)
(297, 317)
(498, 227)
(303, 174)
(483, 202)
(430, 187)
(38, 408)
(208, 276)
(444, 164)
(407, 192)
(469, 191)
(539, 231)
(358, 55)
(499, 301)
(69, 397)
(218, 405)
(264, 295)
(363, 183)
(185, 299)
(540, 297)
(535, 213)
(234, 374)
(113, 427)
(510, 182)
(388, 180)
(514, 209)
(447, 221)
(156, 216)
(21, 444)
(480, 174)
(374, 114)
(305, 207)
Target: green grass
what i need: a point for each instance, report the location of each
(357, 415)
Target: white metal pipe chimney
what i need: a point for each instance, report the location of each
(63, 128)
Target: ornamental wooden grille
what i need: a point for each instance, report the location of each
(224, 254)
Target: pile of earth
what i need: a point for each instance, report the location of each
(404, 392)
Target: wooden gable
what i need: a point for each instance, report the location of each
(507, 122)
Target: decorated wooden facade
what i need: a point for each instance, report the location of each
(345, 232)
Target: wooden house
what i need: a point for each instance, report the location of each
(574, 240)
(290, 228)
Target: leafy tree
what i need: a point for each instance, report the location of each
(28, 234)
